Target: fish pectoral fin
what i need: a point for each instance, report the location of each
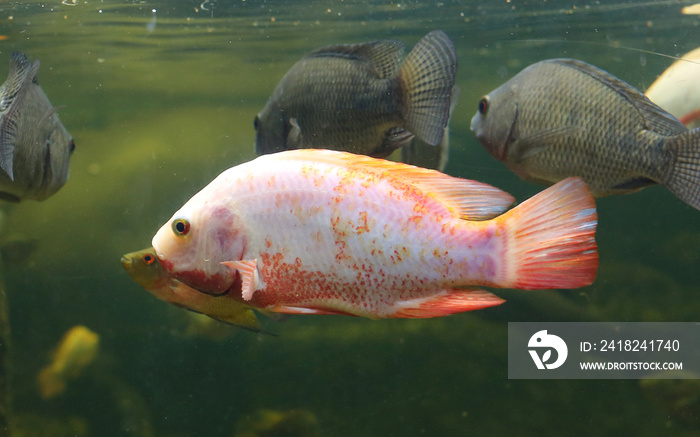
(294, 138)
(539, 141)
(394, 138)
(250, 277)
(445, 303)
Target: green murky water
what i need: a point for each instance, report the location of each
(160, 97)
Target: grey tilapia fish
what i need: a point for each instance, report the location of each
(362, 98)
(35, 148)
(563, 117)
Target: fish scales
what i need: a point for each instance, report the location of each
(318, 87)
(325, 232)
(361, 98)
(363, 210)
(560, 118)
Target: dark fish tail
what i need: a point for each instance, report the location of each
(427, 76)
(682, 176)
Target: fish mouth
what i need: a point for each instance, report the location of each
(126, 262)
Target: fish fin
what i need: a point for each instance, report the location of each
(469, 200)
(422, 154)
(11, 95)
(631, 185)
(250, 278)
(427, 76)
(394, 138)
(383, 56)
(654, 117)
(245, 319)
(445, 303)
(682, 175)
(294, 139)
(301, 310)
(551, 242)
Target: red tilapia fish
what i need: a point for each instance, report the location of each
(325, 232)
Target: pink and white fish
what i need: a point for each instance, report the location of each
(325, 232)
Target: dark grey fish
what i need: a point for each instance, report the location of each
(562, 117)
(35, 148)
(361, 98)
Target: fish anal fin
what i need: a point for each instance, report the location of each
(250, 278)
(383, 56)
(465, 198)
(445, 303)
(301, 310)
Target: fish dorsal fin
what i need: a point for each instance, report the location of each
(384, 56)
(19, 67)
(655, 118)
(12, 93)
(467, 199)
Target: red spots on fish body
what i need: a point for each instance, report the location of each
(363, 223)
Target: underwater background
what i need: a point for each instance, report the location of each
(160, 98)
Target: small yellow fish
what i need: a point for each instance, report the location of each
(327, 232)
(144, 268)
(77, 349)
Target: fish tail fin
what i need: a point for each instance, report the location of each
(50, 383)
(682, 176)
(427, 76)
(551, 241)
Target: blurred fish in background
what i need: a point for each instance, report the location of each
(676, 89)
(77, 349)
(35, 147)
(563, 117)
(362, 99)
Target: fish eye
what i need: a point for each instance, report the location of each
(484, 105)
(148, 259)
(71, 146)
(256, 122)
(181, 227)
